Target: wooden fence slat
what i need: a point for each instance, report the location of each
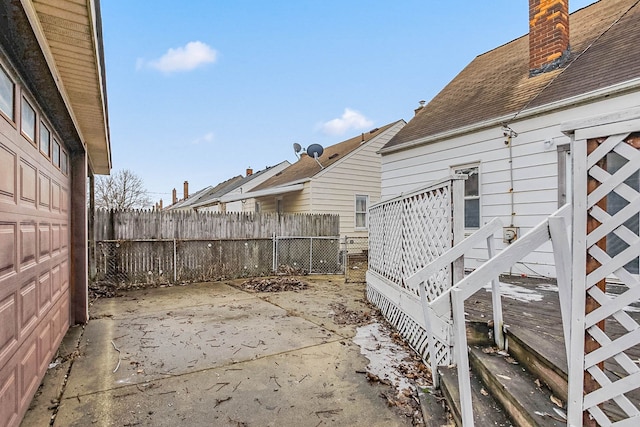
(157, 225)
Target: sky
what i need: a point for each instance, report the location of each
(201, 90)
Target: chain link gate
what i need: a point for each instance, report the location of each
(126, 262)
(356, 259)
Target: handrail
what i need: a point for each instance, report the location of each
(454, 253)
(510, 255)
(552, 228)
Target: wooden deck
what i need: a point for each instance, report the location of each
(532, 306)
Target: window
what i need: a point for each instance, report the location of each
(28, 120)
(471, 196)
(279, 205)
(6, 94)
(257, 207)
(64, 163)
(55, 154)
(362, 203)
(45, 140)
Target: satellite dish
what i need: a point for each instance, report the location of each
(297, 147)
(315, 150)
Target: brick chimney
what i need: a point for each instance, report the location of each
(186, 190)
(160, 204)
(548, 35)
(174, 197)
(249, 171)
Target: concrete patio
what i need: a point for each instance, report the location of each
(213, 354)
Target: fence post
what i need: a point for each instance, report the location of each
(175, 263)
(310, 254)
(274, 258)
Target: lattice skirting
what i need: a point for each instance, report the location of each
(413, 333)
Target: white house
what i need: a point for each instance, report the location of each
(345, 181)
(499, 120)
(216, 201)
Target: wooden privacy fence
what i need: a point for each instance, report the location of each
(158, 225)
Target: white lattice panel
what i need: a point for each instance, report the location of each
(617, 334)
(407, 233)
(412, 332)
(428, 234)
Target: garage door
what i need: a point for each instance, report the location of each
(34, 255)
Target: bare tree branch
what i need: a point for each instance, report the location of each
(121, 190)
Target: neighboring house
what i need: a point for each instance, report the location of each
(215, 202)
(186, 204)
(346, 184)
(53, 135)
(499, 120)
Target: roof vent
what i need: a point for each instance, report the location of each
(374, 130)
(333, 156)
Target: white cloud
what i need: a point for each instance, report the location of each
(350, 120)
(207, 137)
(186, 58)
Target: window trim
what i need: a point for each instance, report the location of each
(10, 118)
(563, 151)
(356, 212)
(33, 139)
(64, 156)
(471, 165)
(47, 154)
(53, 145)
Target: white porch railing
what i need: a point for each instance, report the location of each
(554, 228)
(405, 234)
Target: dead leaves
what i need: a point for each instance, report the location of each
(274, 284)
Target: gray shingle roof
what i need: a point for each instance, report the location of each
(604, 39)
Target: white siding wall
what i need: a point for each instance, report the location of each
(535, 173)
(334, 190)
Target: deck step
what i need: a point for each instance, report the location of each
(524, 402)
(486, 411)
(543, 355)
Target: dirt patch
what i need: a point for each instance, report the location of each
(274, 284)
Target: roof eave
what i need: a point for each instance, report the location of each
(85, 111)
(616, 89)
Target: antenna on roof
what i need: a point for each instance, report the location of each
(315, 151)
(297, 148)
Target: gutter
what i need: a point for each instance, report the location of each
(579, 99)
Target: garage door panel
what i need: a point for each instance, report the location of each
(28, 303)
(45, 346)
(28, 183)
(8, 244)
(7, 174)
(56, 282)
(55, 239)
(45, 190)
(28, 372)
(9, 330)
(44, 293)
(64, 200)
(55, 196)
(64, 276)
(44, 232)
(27, 244)
(9, 395)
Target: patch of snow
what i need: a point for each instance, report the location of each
(517, 293)
(548, 287)
(384, 355)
